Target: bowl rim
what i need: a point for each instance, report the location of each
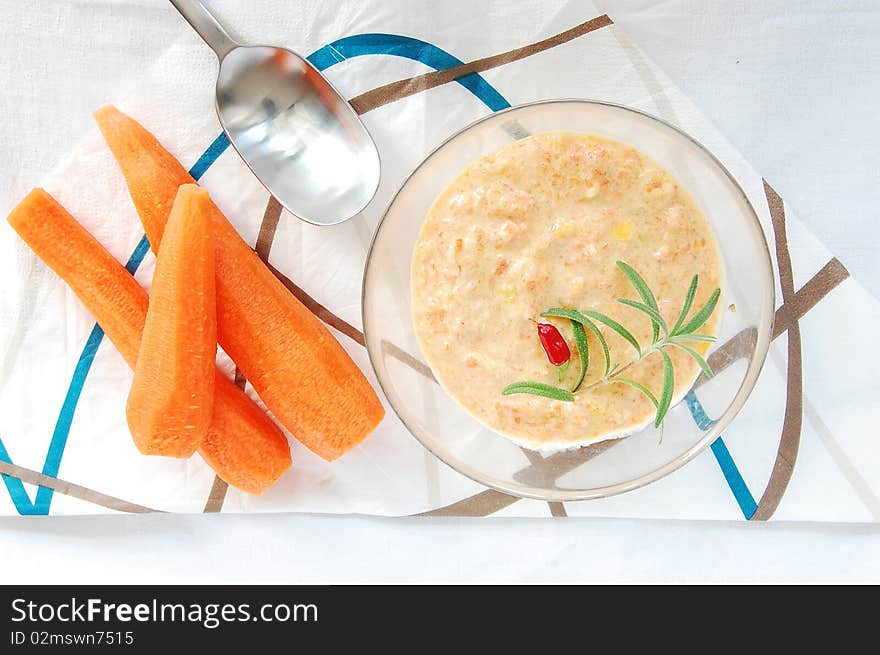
(756, 365)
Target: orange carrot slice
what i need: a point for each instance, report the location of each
(300, 371)
(243, 445)
(172, 395)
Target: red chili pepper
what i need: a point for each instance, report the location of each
(554, 345)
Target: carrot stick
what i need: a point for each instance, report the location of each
(300, 371)
(172, 395)
(243, 445)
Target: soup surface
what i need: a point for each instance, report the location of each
(541, 223)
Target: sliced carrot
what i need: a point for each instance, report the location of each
(109, 292)
(244, 446)
(172, 395)
(301, 372)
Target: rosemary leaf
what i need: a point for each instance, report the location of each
(644, 291)
(640, 387)
(653, 314)
(697, 357)
(614, 325)
(539, 389)
(601, 337)
(580, 339)
(701, 316)
(666, 392)
(688, 301)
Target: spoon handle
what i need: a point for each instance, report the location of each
(205, 25)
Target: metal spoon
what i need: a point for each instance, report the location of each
(301, 138)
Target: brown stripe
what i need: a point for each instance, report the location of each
(483, 504)
(808, 296)
(72, 490)
(411, 361)
(819, 286)
(404, 88)
(268, 226)
(789, 442)
(239, 379)
(541, 470)
(549, 469)
(556, 509)
(533, 456)
(318, 309)
(217, 496)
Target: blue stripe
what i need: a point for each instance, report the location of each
(137, 255)
(734, 479)
(323, 58)
(65, 417)
(408, 48)
(15, 488)
(728, 467)
(212, 154)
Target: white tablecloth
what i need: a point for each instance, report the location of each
(797, 113)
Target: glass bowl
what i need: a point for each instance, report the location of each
(607, 467)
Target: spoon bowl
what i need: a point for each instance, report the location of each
(296, 133)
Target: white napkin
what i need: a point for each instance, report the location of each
(44, 329)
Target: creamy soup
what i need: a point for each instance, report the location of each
(541, 223)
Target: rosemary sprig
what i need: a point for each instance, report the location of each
(683, 330)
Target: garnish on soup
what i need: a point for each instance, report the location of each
(678, 336)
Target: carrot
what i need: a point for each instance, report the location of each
(300, 371)
(172, 395)
(244, 446)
